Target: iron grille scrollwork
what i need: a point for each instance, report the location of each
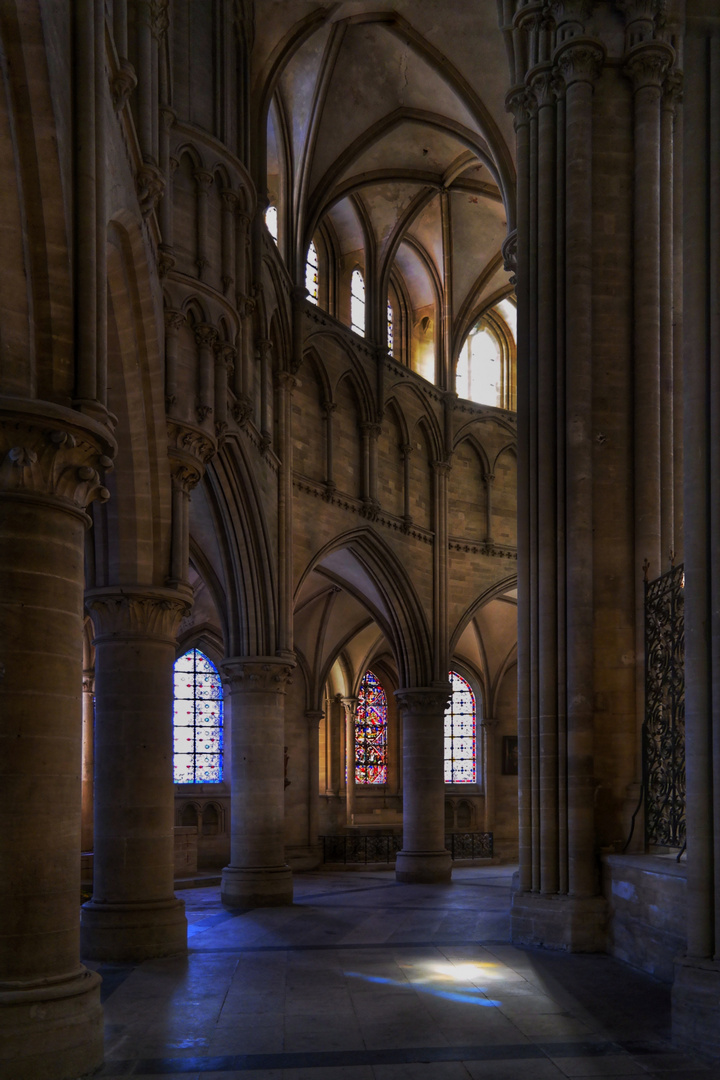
(664, 727)
(373, 848)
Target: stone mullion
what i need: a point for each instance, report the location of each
(542, 84)
(580, 62)
(423, 857)
(258, 875)
(133, 914)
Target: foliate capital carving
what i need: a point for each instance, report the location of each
(189, 450)
(122, 85)
(150, 184)
(165, 260)
(580, 60)
(521, 103)
(258, 674)
(229, 198)
(174, 320)
(424, 700)
(88, 681)
(441, 468)
(489, 479)
(673, 89)
(509, 254)
(120, 613)
(313, 717)
(285, 380)
(328, 407)
(263, 349)
(185, 476)
(350, 705)
(242, 410)
(60, 455)
(640, 16)
(159, 18)
(203, 180)
(406, 450)
(544, 85)
(205, 336)
(648, 63)
(571, 17)
(370, 428)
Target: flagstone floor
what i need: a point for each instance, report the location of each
(366, 979)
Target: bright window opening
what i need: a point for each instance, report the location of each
(460, 747)
(371, 732)
(271, 220)
(197, 720)
(311, 274)
(357, 303)
(478, 370)
(390, 328)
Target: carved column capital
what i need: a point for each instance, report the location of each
(423, 700)
(489, 478)
(521, 103)
(580, 60)
(285, 380)
(203, 180)
(258, 674)
(369, 427)
(122, 84)
(205, 336)
(673, 89)
(648, 63)
(328, 407)
(640, 18)
(350, 705)
(543, 82)
(229, 198)
(88, 681)
(313, 717)
(189, 450)
(174, 320)
(53, 453)
(441, 468)
(150, 184)
(120, 613)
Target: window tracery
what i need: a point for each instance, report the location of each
(460, 742)
(371, 732)
(390, 328)
(197, 720)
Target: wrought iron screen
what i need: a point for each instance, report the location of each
(374, 848)
(664, 727)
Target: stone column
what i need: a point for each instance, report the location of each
(488, 727)
(133, 914)
(423, 858)
(88, 718)
(258, 875)
(350, 706)
(50, 1015)
(333, 755)
(313, 717)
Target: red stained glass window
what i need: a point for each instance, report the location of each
(371, 732)
(460, 749)
(197, 720)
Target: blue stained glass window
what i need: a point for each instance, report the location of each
(460, 749)
(197, 720)
(371, 732)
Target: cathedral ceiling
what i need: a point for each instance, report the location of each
(371, 111)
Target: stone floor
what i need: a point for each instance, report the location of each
(366, 979)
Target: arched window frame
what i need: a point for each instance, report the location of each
(371, 718)
(312, 274)
(475, 783)
(205, 674)
(357, 302)
(390, 328)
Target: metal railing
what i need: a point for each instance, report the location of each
(364, 848)
(664, 726)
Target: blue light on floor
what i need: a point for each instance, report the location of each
(471, 996)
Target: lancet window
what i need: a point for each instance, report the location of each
(311, 274)
(357, 303)
(460, 745)
(197, 720)
(390, 328)
(271, 220)
(371, 732)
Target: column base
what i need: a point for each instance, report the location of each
(132, 932)
(423, 867)
(695, 997)
(256, 886)
(51, 1030)
(571, 923)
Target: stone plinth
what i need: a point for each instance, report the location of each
(573, 924)
(647, 901)
(695, 998)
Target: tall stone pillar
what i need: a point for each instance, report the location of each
(423, 858)
(696, 989)
(133, 913)
(313, 718)
(350, 706)
(50, 1015)
(88, 750)
(258, 875)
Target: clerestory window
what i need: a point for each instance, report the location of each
(312, 282)
(357, 303)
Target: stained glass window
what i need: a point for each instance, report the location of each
(371, 732)
(271, 220)
(197, 720)
(311, 274)
(391, 334)
(460, 753)
(357, 303)
(477, 375)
